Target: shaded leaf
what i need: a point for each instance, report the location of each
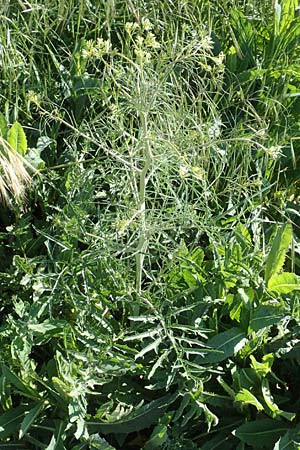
(18, 383)
(265, 316)
(158, 437)
(11, 420)
(261, 433)
(3, 126)
(141, 418)
(34, 158)
(30, 418)
(223, 345)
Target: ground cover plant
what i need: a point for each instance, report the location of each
(149, 222)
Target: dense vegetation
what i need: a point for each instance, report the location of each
(149, 277)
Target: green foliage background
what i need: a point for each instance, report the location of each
(150, 280)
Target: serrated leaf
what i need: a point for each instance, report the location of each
(284, 283)
(29, 418)
(280, 246)
(223, 345)
(259, 433)
(152, 346)
(140, 419)
(51, 327)
(17, 139)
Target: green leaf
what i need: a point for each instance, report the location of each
(11, 420)
(34, 158)
(284, 283)
(18, 383)
(263, 368)
(30, 418)
(98, 443)
(247, 398)
(265, 316)
(51, 327)
(158, 437)
(223, 345)
(280, 246)
(261, 433)
(17, 138)
(268, 398)
(287, 14)
(141, 418)
(3, 126)
(287, 442)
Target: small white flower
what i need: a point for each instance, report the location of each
(274, 151)
(183, 171)
(207, 43)
(130, 27)
(146, 24)
(151, 41)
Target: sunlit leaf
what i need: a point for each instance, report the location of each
(17, 139)
(280, 246)
(284, 283)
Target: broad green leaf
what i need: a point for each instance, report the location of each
(263, 368)
(261, 433)
(221, 441)
(280, 246)
(246, 378)
(265, 316)
(98, 443)
(243, 235)
(18, 383)
(287, 442)
(247, 398)
(288, 9)
(223, 345)
(3, 126)
(141, 418)
(30, 417)
(56, 442)
(11, 420)
(268, 398)
(43, 142)
(284, 283)
(158, 437)
(17, 138)
(33, 156)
